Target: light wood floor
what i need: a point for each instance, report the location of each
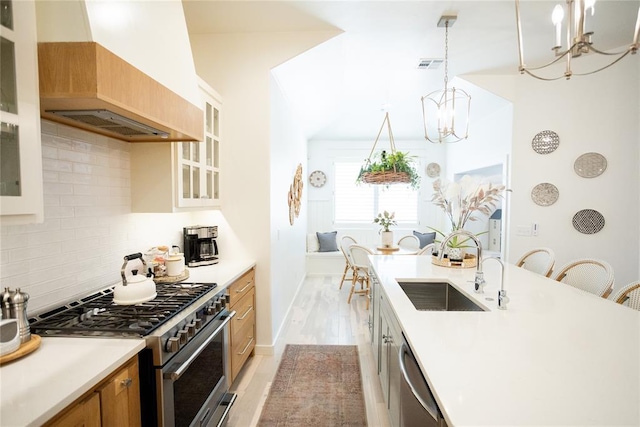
(320, 315)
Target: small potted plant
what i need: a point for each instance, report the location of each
(386, 220)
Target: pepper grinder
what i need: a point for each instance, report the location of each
(7, 296)
(19, 312)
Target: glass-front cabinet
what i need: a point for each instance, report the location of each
(199, 162)
(21, 198)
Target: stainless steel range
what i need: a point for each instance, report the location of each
(184, 369)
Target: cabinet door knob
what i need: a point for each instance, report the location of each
(126, 382)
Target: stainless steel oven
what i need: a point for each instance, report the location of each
(184, 368)
(193, 384)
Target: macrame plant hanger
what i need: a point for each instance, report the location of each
(384, 177)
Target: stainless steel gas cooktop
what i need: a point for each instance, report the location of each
(98, 315)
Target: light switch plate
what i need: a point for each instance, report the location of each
(523, 230)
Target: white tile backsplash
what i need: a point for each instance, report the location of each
(88, 226)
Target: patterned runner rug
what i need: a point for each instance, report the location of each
(316, 385)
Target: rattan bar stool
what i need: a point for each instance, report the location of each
(345, 243)
(427, 250)
(540, 260)
(360, 262)
(590, 275)
(411, 243)
(629, 296)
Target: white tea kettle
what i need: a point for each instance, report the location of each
(137, 288)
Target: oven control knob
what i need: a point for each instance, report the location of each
(173, 344)
(198, 323)
(210, 310)
(191, 329)
(182, 336)
(219, 305)
(223, 298)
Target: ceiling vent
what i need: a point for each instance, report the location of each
(430, 64)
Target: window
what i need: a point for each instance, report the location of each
(355, 203)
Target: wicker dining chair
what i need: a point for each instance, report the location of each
(539, 260)
(360, 263)
(590, 275)
(410, 242)
(629, 296)
(345, 243)
(427, 250)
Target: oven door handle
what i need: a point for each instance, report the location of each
(175, 374)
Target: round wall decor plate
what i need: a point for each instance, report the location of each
(317, 179)
(544, 194)
(545, 142)
(433, 170)
(590, 165)
(588, 221)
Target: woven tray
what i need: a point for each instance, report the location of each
(469, 261)
(163, 280)
(386, 177)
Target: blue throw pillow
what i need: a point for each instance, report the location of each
(425, 238)
(327, 241)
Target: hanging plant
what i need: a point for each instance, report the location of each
(395, 167)
(387, 169)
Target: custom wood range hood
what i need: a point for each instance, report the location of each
(84, 85)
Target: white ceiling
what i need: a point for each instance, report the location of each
(339, 87)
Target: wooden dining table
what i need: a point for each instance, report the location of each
(394, 250)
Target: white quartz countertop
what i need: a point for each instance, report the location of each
(556, 357)
(37, 386)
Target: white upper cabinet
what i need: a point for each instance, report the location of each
(180, 176)
(21, 199)
(199, 162)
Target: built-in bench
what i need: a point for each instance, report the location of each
(323, 263)
(332, 263)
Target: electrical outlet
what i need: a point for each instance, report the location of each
(523, 230)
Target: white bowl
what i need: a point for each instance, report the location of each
(9, 336)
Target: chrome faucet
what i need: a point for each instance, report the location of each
(503, 299)
(478, 283)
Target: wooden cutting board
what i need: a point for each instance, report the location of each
(24, 349)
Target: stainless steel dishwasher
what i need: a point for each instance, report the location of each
(418, 407)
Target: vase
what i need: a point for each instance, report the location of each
(386, 238)
(455, 253)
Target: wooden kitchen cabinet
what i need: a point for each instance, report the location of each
(84, 413)
(242, 299)
(180, 176)
(114, 402)
(21, 195)
(120, 397)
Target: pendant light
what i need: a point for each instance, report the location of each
(580, 16)
(446, 112)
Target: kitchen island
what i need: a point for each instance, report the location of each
(556, 357)
(39, 385)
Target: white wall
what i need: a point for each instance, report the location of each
(238, 66)
(88, 226)
(597, 113)
(288, 243)
(323, 155)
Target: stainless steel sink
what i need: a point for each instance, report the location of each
(437, 296)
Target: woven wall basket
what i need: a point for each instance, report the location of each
(386, 177)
